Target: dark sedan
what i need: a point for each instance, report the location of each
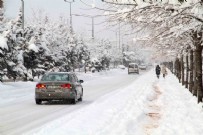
(59, 86)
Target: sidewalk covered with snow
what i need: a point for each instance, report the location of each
(149, 106)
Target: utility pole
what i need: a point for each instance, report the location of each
(116, 38)
(23, 14)
(119, 35)
(70, 4)
(71, 24)
(1, 10)
(92, 27)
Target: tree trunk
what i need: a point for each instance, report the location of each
(85, 68)
(1, 3)
(199, 72)
(187, 71)
(182, 71)
(191, 71)
(197, 39)
(194, 92)
(171, 66)
(179, 70)
(175, 68)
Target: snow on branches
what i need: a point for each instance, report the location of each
(160, 22)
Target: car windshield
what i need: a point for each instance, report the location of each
(55, 77)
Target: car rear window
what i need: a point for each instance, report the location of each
(55, 77)
(131, 66)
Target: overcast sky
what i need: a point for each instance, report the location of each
(55, 8)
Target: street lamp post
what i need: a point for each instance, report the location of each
(23, 14)
(70, 3)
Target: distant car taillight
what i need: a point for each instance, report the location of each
(66, 86)
(40, 86)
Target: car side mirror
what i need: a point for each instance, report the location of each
(81, 81)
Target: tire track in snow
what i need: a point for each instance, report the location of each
(154, 114)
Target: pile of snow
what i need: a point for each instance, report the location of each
(181, 113)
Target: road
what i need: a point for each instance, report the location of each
(20, 114)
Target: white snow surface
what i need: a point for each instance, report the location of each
(147, 106)
(127, 111)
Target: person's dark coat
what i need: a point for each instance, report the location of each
(158, 70)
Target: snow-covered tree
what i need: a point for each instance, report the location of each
(164, 23)
(36, 53)
(83, 54)
(16, 42)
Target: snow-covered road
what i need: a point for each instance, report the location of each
(114, 104)
(19, 113)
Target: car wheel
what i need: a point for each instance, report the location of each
(38, 101)
(74, 101)
(80, 99)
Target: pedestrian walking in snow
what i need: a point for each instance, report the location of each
(164, 71)
(158, 70)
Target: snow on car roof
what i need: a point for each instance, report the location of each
(132, 63)
(59, 73)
